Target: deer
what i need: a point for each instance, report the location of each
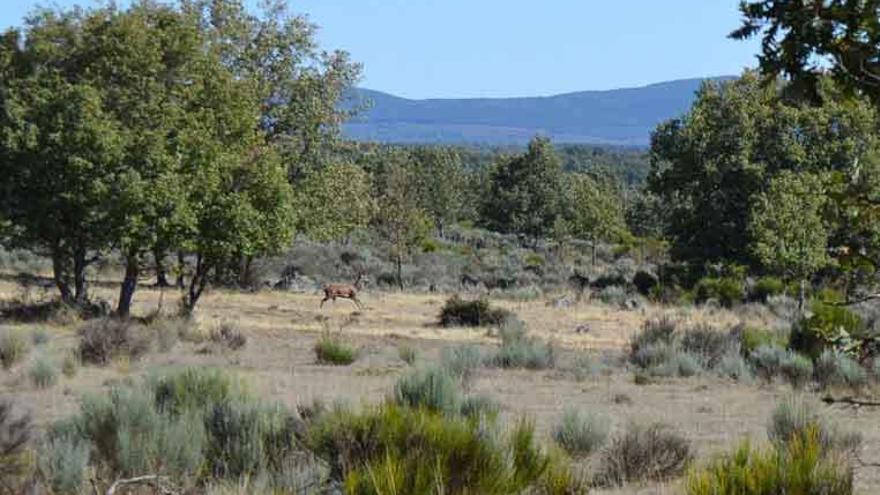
(345, 291)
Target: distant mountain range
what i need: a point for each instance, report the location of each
(614, 117)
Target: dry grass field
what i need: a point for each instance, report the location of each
(279, 362)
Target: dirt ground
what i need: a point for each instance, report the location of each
(279, 362)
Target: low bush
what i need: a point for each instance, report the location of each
(527, 353)
(229, 335)
(432, 388)
(662, 330)
(408, 354)
(733, 365)
(826, 324)
(13, 348)
(331, 350)
(772, 361)
(474, 313)
(70, 364)
(43, 372)
(796, 416)
(461, 361)
(750, 338)
(581, 434)
(394, 449)
(651, 452)
(613, 295)
(727, 291)
(835, 369)
(192, 389)
(707, 344)
(800, 466)
(480, 406)
(104, 339)
(766, 287)
(63, 460)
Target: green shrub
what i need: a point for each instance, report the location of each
(229, 335)
(800, 466)
(641, 453)
(728, 291)
(581, 434)
(43, 372)
(797, 369)
(613, 295)
(393, 449)
(63, 460)
(766, 287)
(168, 331)
(835, 369)
(826, 324)
(408, 354)
(474, 313)
(13, 348)
(750, 338)
(432, 388)
(511, 330)
(330, 350)
(678, 363)
(796, 417)
(194, 389)
(104, 339)
(461, 361)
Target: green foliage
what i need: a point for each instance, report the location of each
(480, 406)
(786, 225)
(331, 350)
(40, 336)
(433, 388)
(394, 449)
(654, 331)
(13, 348)
(643, 452)
(441, 184)
(43, 372)
(192, 389)
(799, 466)
(581, 434)
(733, 365)
(321, 196)
(525, 192)
(408, 354)
(15, 437)
(474, 313)
(708, 344)
(765, 287)
(829, 326)
(521, 351)
(727, 291)
(751, 338)
(70, 364)
(596, 210)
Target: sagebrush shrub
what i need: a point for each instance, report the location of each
(193, 389)
(651, 452)
(408, 354)
(527, 353)
(581, 434)
(43, 372)
(796, 416)
(655, 331)
(613, 295)
(434, 388)
(229, 335)
(15, 437)
(733, 365)
(707, 343)
(766, 287)
(331, 350)
(480, 406)
(63, 459)
(40, 336)
(474, 313)
(728, 291)
(813, 334)
(104, 339)
(70, 364)
(835, 369)
(772, 361)
(461, 361)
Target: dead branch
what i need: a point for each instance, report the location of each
(850, 400)
(148, 479)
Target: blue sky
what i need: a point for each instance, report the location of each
(467, 48)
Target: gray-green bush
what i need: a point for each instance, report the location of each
(13, 347)
(461, 361)
(433, 388)
(581, 434)
(835, 369)
(643, 452)
(63, 459)
(43, 372)
(797, 414)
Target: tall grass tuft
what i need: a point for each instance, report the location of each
(13, 348)
(651, 452)
(581, 434)
(795, 416)
(331, 350)
(461, 361)
(433, 388)
(43, 372)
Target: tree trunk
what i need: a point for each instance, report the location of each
(129, 285)
(161, 272)
(245, 265)
(81, 289)
(181, 270)
(593, 256)
(802, 296)
(59, 273)
(400, 272)
(197, 285)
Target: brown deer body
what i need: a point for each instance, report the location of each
(345, 291)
